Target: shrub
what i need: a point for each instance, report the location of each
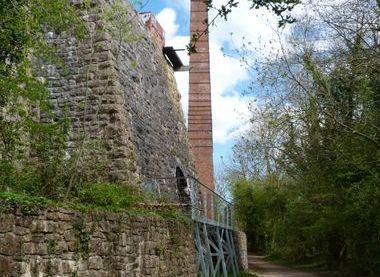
(108, 196)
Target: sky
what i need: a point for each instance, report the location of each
(228, 78)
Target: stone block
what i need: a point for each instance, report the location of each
(7, 223)
(68, 267)
(9, 245)
(7, 266)
(95, 262)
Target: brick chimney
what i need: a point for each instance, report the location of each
(154, 28)
(200, 115)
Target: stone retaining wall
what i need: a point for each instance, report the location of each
(58, 242)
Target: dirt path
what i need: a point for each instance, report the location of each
(263, 268)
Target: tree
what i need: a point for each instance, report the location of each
(321, 109)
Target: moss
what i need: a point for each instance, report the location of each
(52, 247)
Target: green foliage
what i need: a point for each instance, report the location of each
(110, 197)
(52, 247)
(32, 138)
(9, 201)
(258, 200)
(35, 158)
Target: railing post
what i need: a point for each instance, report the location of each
(232, 216)
(212, 208)
(204, 205)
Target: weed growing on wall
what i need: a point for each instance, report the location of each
(83, 235)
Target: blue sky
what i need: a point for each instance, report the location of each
(228, 78)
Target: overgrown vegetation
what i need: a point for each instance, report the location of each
(35, 157)
(109, 197)
(307, 174)
(104, 197)
(32, 139)
(10, 200)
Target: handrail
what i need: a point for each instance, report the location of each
(206, 205)
(195, 179)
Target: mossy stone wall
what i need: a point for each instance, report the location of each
(59, 242)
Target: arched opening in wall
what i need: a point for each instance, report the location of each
(182, 188)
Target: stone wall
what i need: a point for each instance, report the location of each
(59, 242)
(121, 98)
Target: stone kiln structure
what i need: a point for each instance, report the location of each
(200, 111)
(121, 97)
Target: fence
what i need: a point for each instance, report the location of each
(203, 204)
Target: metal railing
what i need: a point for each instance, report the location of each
(194, 198)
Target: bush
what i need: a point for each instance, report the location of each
(107, 196)
(10, 201)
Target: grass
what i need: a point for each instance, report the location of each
(109, 197)
(101, 197)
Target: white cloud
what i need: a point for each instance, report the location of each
(226, 72)
(230, 115)
(227, 104)
(167, 18)
(259, 27)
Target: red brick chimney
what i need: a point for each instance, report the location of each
(154, 28)
(200, 116)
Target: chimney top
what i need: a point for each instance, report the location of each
(154, 28)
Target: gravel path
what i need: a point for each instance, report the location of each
(263, 268)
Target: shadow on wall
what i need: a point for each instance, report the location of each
(182, 187)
